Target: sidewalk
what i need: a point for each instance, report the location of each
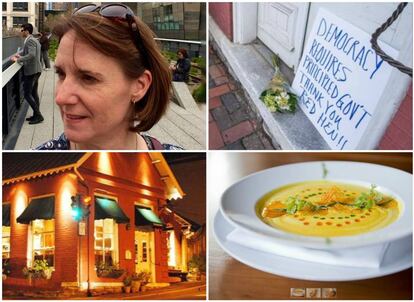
(195, 289)
(233, 125)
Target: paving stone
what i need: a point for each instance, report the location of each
(230, 102)
(237, 132)
(215, 141)
(239, 116)
(221, 80)
(252, 142)
(233, 123)
(216, 71)
(214, 102)
(219, 90)
(222, 118)
(235, 146)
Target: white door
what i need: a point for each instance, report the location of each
(144, 252)
(368, 17)
(281, 26)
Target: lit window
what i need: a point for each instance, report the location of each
(171, 248)
(144, 251)
(43, 240)
(105, 252)
(6, 242)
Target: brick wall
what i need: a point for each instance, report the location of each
(399, 134)
(222, 13)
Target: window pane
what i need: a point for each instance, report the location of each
(37, 242)
(20, 6)
(49, 240)
(108, 226)
(98, 244)
(18, 21)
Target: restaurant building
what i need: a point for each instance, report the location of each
(93, 217)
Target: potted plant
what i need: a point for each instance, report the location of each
(196, 266)
(6, 268)
(127, 283)
(138, 279)
(105, 270)
(39, 270)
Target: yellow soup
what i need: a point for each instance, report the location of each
(327, 209)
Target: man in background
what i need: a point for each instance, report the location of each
(32, 68)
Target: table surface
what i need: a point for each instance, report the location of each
(231, 279)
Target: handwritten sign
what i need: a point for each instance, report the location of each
(340, 80)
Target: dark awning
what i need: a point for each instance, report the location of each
(38, 208)
(108, 208)
(145, 217)
(6, 214)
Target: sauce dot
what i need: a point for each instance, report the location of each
(357, 220)
(306, 223)
(352, 215)
(332, 217)
(328, 223)
(339, 225)
(346, 217)
(319, 223)
(367, 214)
(347, 222)
(302, 219)
(340, 217)
(369, 210)
(362, 216)
(322, 218)
(296, 216)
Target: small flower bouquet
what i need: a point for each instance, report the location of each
(277, 96)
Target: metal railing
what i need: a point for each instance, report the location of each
(12, 84)
(194, 48)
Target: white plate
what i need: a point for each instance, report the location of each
(238, 202)
(397, 258)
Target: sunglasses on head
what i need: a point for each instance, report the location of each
(118, 12)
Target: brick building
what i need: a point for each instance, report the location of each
(126, 195)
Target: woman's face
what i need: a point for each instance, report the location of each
(94, 95)
(180, 55)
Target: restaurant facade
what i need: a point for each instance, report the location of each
(93, 218)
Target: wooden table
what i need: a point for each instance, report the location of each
(230, 279)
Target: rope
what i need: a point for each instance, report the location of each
(401, 67)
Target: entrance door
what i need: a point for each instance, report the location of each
(144, 252)
(281, 26)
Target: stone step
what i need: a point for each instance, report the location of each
(253, 71)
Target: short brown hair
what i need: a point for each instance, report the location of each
(114, 39)
(184, 52)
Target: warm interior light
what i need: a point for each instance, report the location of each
(171, 249)
(104, 163)
(20, 202)
(174, 194)
(63, 197)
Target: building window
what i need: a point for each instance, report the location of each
(144, 251)
(19, 21)
(168, 13)
(43, 240)
(4, 22)
(4, 6)
(6, 243)
(20, 6)
(105, 246)
(171, 248)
